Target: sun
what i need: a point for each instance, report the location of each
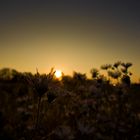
(58, 73)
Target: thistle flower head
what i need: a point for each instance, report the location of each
(40, 83)
(106, 66)
(116, 64)
(126, 65)
(114, 74)
(94, 72)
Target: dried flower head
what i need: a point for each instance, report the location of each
(40, 83)
(94, 72)
(126, 65)
(106, 66)
(116, 64)
(114, 74)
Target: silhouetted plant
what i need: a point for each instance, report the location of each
(125, 68)
(126, 80)
(8, 74)
(106, 66)
(40, 85)
(117, 64)
(79, 78)
(67, 82)
(84, 108)
(126, 74)
(95, 73)
(115, 74)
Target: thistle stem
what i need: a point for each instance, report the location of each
(38, 113)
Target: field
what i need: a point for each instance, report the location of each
(42, 107)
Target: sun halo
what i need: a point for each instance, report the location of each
(58, 73)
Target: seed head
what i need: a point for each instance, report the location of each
(40, 83)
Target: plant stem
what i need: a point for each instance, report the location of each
(38, 113)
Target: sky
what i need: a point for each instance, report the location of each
(71, 35)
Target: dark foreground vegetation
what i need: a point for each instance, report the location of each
(41, 107)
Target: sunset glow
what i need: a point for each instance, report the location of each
(70, 35)
(58, 73)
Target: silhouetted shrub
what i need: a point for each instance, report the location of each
(37, 107)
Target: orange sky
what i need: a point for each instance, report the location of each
(74, 39)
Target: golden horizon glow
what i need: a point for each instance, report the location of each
(71, 40)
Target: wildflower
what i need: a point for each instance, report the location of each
(106, 66)
(125, 67)
(117, 64)
(114, 74)
(40, 83)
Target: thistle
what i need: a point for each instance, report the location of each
(40, 85)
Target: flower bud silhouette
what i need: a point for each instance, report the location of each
(40, 83)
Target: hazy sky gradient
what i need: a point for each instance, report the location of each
(69, 35)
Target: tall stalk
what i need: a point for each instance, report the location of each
(38, 113)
